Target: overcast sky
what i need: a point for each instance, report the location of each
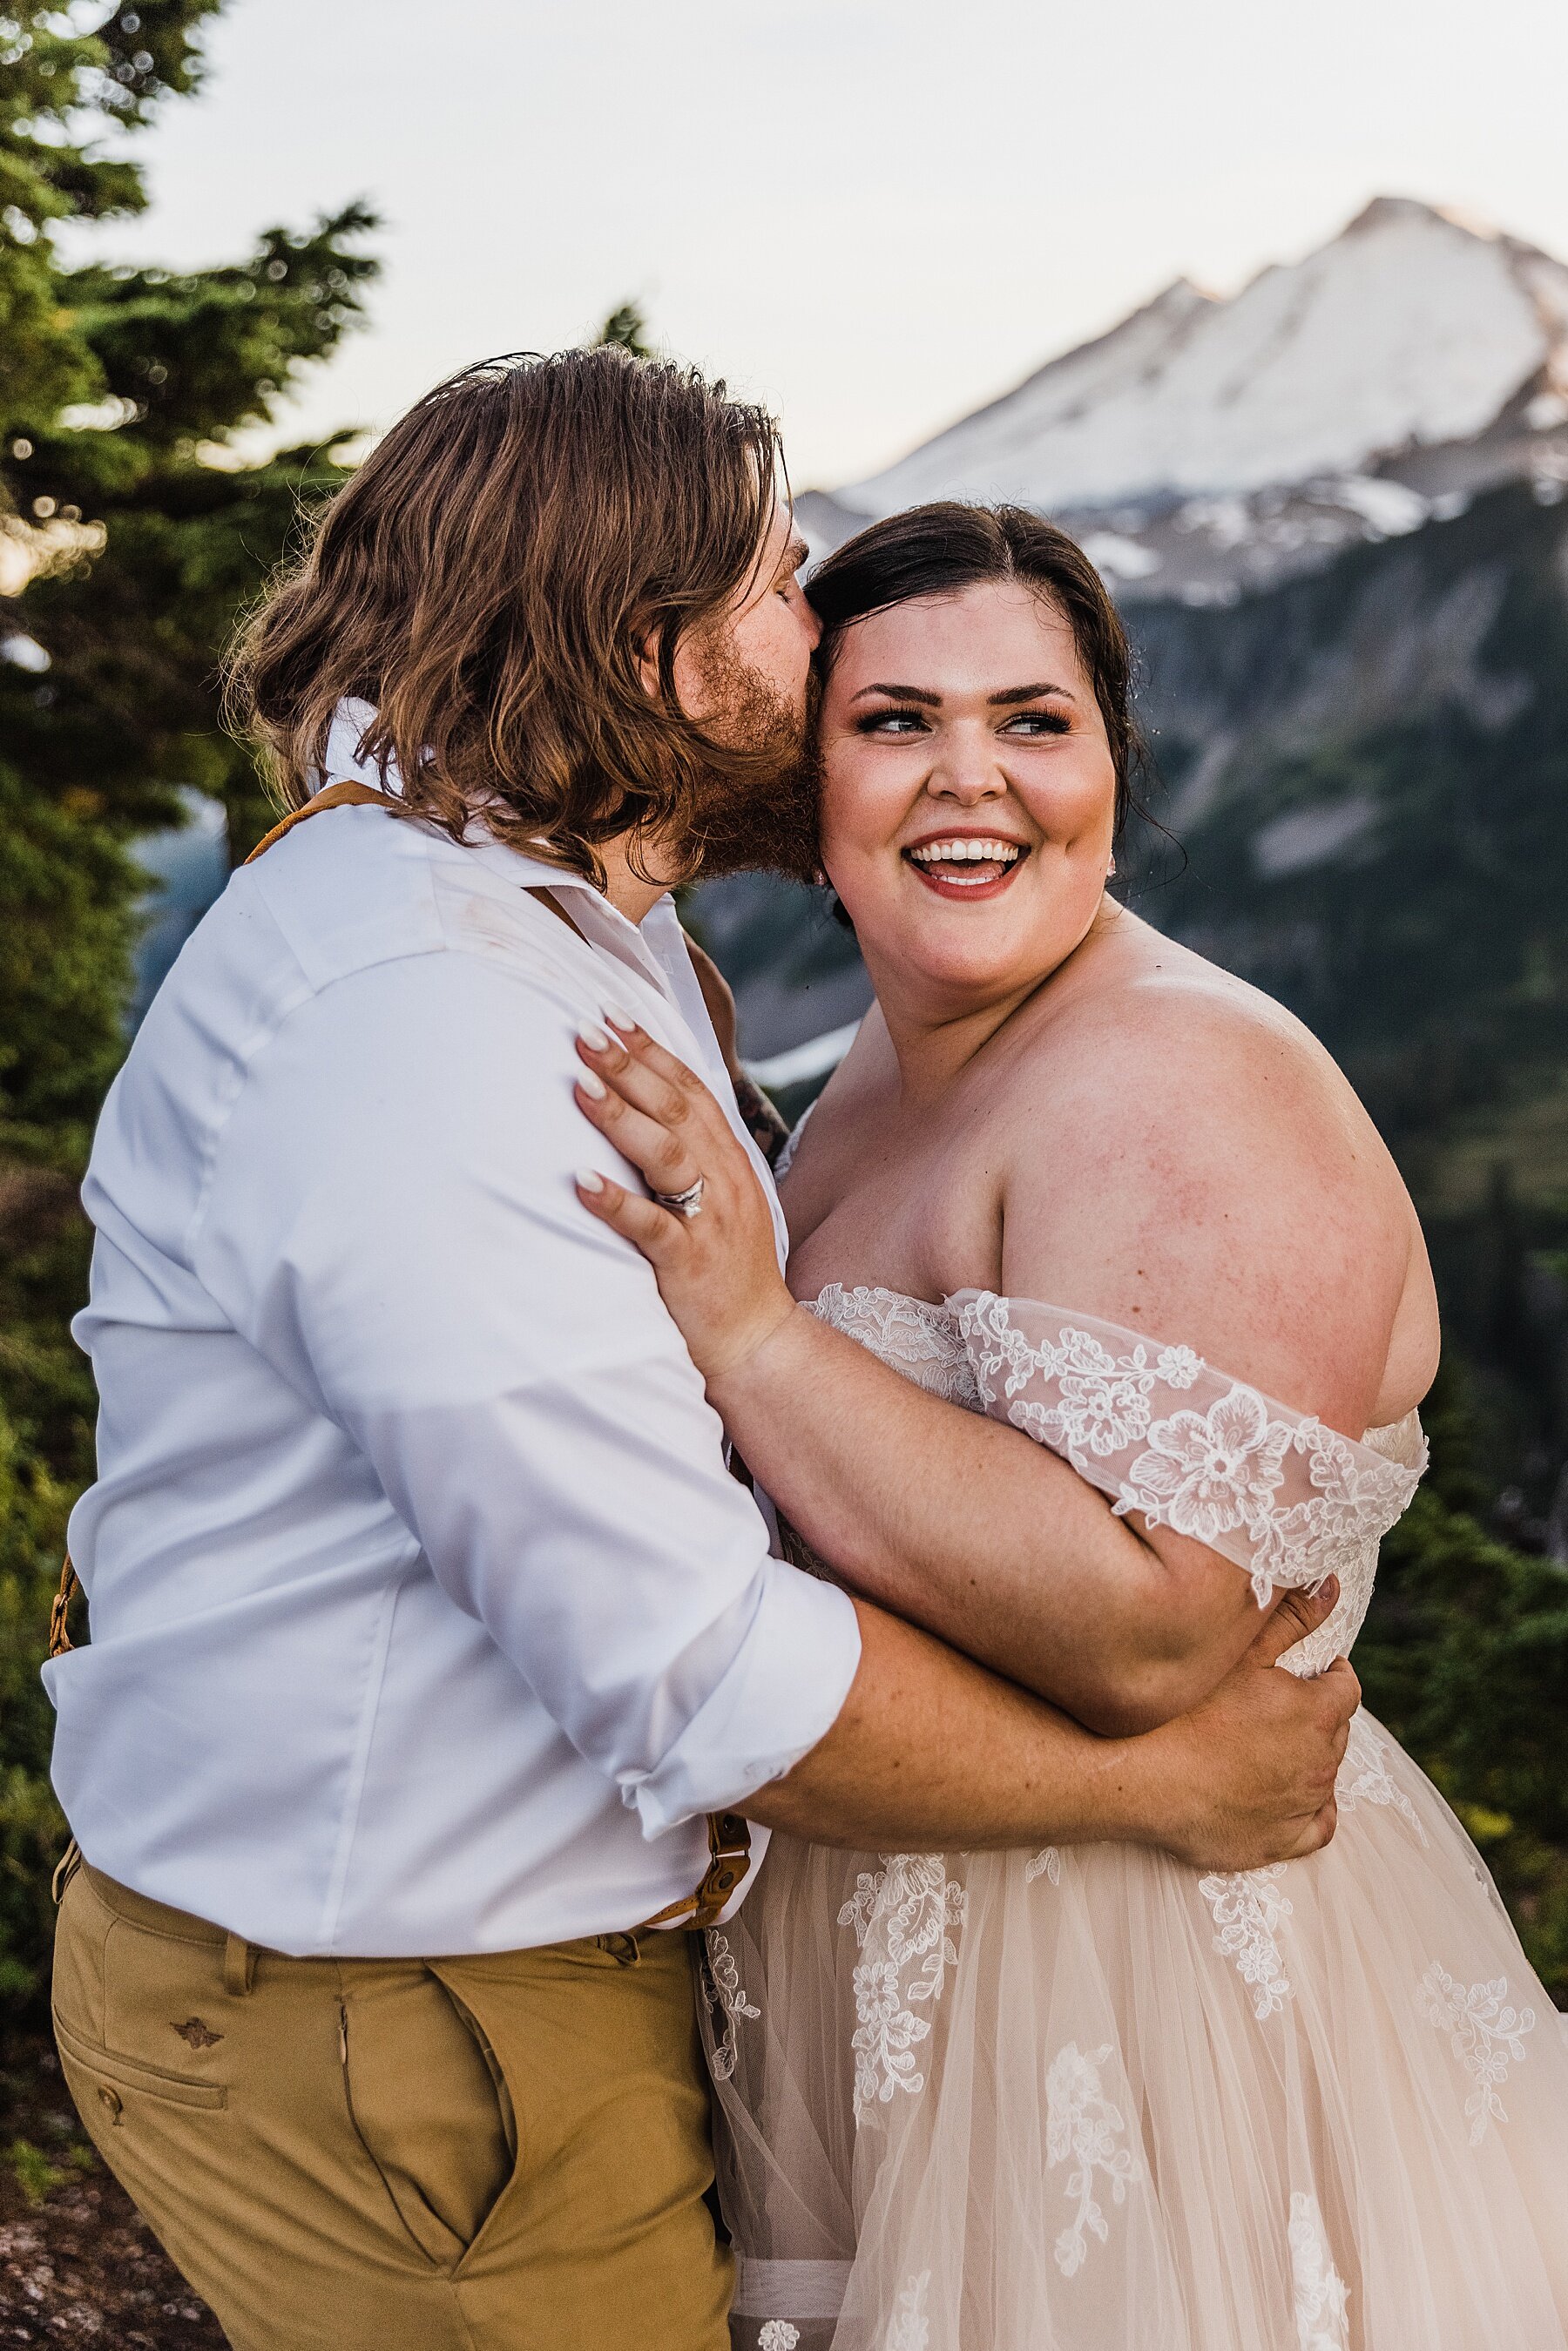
(872, 213)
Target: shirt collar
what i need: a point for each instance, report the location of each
(653, 941)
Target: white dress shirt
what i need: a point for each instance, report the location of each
(426, 1617)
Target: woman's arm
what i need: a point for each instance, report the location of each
(930, 1750)
(951, 1520)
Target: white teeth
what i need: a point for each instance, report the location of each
(965, 851)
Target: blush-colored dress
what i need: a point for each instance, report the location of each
(1092, 2100)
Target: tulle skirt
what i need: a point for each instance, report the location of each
(1089, 2100)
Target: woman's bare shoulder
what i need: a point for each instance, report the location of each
(1185, 1158)
(1160, 1026)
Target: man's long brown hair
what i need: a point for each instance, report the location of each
(489, 583)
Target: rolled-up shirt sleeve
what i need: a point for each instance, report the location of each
(425, 1275)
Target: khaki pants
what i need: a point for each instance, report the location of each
(506, 2153)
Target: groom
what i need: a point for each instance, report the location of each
(436, 1653)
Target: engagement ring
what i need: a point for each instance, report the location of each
(684, 1204)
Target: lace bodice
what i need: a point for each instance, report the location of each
(1162, 1433)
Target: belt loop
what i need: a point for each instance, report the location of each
(239, 1966)
(622, 1948)
(65, 1869)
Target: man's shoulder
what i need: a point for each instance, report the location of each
(356, 888)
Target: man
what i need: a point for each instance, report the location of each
(435, 1649)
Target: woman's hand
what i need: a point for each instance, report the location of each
(717, 1270)
(1247, 1777)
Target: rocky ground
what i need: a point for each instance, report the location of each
(77, 2263)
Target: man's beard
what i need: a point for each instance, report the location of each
(763, 817)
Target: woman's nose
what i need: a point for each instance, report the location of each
(966, 774)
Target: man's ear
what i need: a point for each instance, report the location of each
(647, 644)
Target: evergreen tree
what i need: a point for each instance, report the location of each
(130, 535)
(627, 325)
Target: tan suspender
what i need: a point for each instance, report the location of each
(331, 796)
(728, 1835)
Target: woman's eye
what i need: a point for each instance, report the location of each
(1038, 722)
(892, 722)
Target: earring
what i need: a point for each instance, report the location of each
(1112, 867)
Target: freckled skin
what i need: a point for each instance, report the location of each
(1051, 1098)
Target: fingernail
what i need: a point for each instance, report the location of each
(617, 1017)
(591, 1085)
(587, 1181)
(594, 1039)
(1329, 1589)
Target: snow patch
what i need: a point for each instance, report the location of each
(1117, 557)
(1388, 507)
(1407, 331)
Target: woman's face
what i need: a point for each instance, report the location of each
(968, 793)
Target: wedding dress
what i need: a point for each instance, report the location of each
(1091, 2100)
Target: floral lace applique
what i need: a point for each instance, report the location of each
(1083, 2126)
(725, 1996)
(778, 2335)
(916, 1338)
(1320, 2296)
(1044, 1865)
(909, 2329)
(1288, 1499)
(1248, 1905)
(1364, 1777)
(1485, 2032)
(904, 1918)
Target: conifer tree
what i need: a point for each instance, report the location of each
(131, 535)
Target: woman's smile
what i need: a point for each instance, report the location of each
(957, 862)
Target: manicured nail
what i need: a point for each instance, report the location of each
(593, 1086)
(587, 1181)
(620, 1018)
(594, 1039)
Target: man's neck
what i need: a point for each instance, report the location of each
(626, 890)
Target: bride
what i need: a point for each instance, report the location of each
(1081, 1184)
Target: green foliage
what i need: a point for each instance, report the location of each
(131, 536)
(1465, 1657)
(58, 81)
(33, 1507)
(628, 326)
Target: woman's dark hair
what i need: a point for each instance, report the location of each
(487, 580)
(941, 549)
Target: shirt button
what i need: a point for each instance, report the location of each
(110, 2101)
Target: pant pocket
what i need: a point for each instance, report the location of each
(130, 2077)
(428, 2106)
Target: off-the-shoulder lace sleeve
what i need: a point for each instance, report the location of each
(1161, 1432)
(792, 1141)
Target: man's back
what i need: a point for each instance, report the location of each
(412, 1557)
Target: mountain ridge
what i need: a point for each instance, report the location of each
(1206, 445)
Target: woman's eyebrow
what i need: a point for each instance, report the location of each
(902, 693)
(1028, 694)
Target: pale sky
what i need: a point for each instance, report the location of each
(873, 215)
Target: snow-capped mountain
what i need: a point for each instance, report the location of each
(1205, 446)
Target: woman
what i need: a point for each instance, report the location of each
(1087, 2099)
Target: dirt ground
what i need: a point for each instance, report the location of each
(77, 2263)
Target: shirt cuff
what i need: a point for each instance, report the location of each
(783, 1692)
